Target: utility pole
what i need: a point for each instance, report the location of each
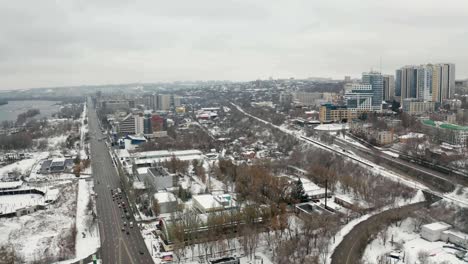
(326, 192)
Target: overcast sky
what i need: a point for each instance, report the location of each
(73, 42)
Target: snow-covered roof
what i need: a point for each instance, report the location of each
(456, 233)
(345, 198)
(123, 153)
(309, 186)
(138, 185)
(58, 161)
(134, 137)
(10, 184)
(412, 135)
(331, 127)
(437, 226)
(166, 153)
(165, 197)
(207, 201)
(141, 171)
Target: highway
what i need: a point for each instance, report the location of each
(117, 247)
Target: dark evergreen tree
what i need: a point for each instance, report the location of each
(298, 193)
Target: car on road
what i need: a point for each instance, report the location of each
(125, 223)
(131, 224)
(141, 252)
(123, 228)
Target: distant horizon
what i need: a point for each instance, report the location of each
(190, 81)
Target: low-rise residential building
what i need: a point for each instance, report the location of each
(450, 133)
(335, 113)
(416, 107)
(384, 137)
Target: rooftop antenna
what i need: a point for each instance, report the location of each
(380, 63)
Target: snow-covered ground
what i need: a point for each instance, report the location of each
(152, 241)
(419, 197)
(24, 166)
(56, 142)
(409, 243)
(11, 203)
(391, 153)
(46, 235)
(87, 238)
(352, 141)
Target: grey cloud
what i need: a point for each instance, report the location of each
(69, 42)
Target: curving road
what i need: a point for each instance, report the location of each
(117, 247)
(350, 250)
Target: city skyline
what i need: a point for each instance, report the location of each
(83, 43)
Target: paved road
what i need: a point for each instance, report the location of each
(350, 250)
(117, 247)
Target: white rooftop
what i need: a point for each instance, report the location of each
(123, 153)
(135, 137)
(166, 153)
(207, 201)
(412, 135)
(309, 186)
(138, 185)
(437, 226)
(58, 160)
(141, 171)
(10, 184)
(165, 197)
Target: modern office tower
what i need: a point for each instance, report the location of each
(376, 80)
(131, 125)
(359, 96)
(388, 87)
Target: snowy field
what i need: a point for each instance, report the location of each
(25, 165)
(409, 242)
(46, 235)
(87, 238)
(11, 203)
